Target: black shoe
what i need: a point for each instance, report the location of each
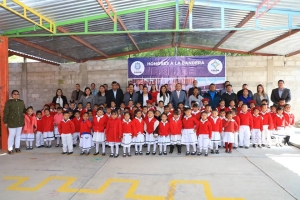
(230, 152)
(258, 146)
(42, 146)
(165, 153)
(219, 146)
(226, 151)
(246, 147)
(187, 153)
(241, 147)
(49, 146)
(124, 154)
(154, 153)
(64, 153)
(206, 154)
(81, 153)
(103, 154)
(96, 153)
(136, 153)
(140, 153)
(31, 148)
(179, 149)
(27, 148)
(212, 152)
(148, 153)
(116, 155)
(57, 145)
(38, 147)
(254, 146)
(217, 151)
(18, 150)
(69, 153)
(74, 145)
(10, 152)
(111, 155)
(129, 155)
(199, 153)
(234, 147)
(160, 153)
(263, 145)
(171, 149)
(193, 153)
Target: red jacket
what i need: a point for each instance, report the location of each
(246, 119)
(85, 127)
(99, 123)
(66, 127)
(39, 124)
(204, 128)
(257, 122)
(77, 123)
(175, 126)
(47, 123)
(170, 116)
(139, 125)
(114, 130)
(190, 123)
(52, 112)
(237, 119)
(127, 127)
(230, 126)
(216, 126)
(164, 128)
(30, 124)
(151, 126)
(279, 121)
(197, 114)
(267, 120)
(289, 119)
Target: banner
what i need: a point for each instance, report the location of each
(159, 71)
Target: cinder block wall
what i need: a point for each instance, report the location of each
(37, 82)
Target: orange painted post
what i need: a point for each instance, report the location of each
(3, 87)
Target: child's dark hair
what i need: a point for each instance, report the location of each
(203, 113)
(229, 113)
(234, 110)
(66, 113)
(176, 112)
(207, 105)
(195, 105)
(166, 107)
(286, 105)
(100, 109)
(89, 111)
(279, 108)
(145, 107)
(96, 105)
(88, 103)
(244, 104)
(114, 112)
(150, 111)
(264, 105)
(127, 113)
(30, 107)
(59, 108)
(85, 113)
(108, 107)
(164, 115)
(46, 109)
(76, 111)
(136, 111)
(214, 110)
(66, 104)
(222, 110)
(222, 100)
(160, 102)
(180, 103)
(38, 112)
(80, 104)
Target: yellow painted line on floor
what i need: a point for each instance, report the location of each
(65, 187)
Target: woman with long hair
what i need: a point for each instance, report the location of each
(100, 97)
(196, 97)
(153, 93)
(260, 95)
(60, 98)
(87, 97)
(163, 95)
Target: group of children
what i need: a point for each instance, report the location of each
(230, 127)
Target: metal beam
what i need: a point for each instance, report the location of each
(281, 37)
(129, 35)
(293, 53)
(184, 26)
(129, 53)
(81, 41)
(15, 53)
(42, 20)
(242, 23)
(176, 22)
(224, 50)
(43, 49)
(269, 6)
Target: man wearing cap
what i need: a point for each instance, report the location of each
(229, 95)
(130, 95)
(178, 96)
(195, 85)
(213, 96)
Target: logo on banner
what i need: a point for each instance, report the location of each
(215, 66)
(137, 68)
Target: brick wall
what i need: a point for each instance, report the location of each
(37, 82)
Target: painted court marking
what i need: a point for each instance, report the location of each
(65, 187)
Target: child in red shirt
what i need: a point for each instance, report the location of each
(138, 136)
(99, 126)
(163, 134)
(30, 124)
(47, 123)
(257, 127)
(204, 133)
(151, 125)
(85, 135)
(246, 123)
(267, 126)
(66, 128)
(77, 121)
(196, 112)
(39, 142)
(279, 125)
(236, 134)
(217, 129)
(290, 122)
(175, 132)
(114, 133)
(230, 127)
(127, 130)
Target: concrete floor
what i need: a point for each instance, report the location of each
(245, 174)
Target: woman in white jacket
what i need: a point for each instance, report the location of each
(163, 95)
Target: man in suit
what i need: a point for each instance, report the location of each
(281, 93)
(76, 94)
(178, 96)
(130, 95)
(114, 94)
(195, 85)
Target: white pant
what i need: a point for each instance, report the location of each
(256, 136)
(39, 139)
(203, 141)
(236, 139)
(266, 135)
(67, 142)
(75, 137)
(244, 136)
(14, 137)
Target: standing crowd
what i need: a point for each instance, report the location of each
(147, 118)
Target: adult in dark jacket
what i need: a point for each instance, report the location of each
(281, 93)
(76, 94)
(229, 95)
(13, 119)
(213, 96)
(114, 94)
(240, 93)
(60, 98)
(195, 85)
(144, 96)
(130, 95)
